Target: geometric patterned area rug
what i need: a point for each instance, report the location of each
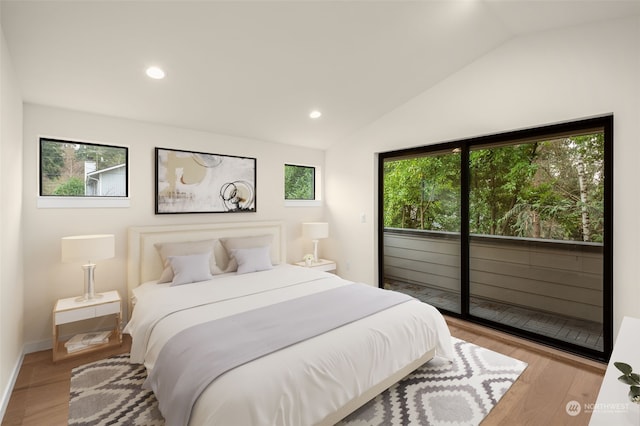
(109, 392)
(440, 392)
(462, 392)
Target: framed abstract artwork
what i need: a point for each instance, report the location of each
(197, 182)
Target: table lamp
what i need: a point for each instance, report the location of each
(315, 231)
(88, 248)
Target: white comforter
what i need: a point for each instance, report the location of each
(299, 385)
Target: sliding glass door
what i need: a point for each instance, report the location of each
(510, 230)
(421, 204)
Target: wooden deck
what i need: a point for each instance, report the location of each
(573, 330)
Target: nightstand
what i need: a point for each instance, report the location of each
(71, 310)
(321, 264)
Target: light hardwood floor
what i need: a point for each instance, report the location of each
(551, 380)
(539, 396)
(41, 394)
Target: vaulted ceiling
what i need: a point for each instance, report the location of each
(256, 69)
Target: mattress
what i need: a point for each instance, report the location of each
(303, 384)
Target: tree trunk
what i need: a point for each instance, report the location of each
(586, 233)
(404, 209)
(536, 224)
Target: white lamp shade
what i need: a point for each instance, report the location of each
(87, 248)
(315, 230)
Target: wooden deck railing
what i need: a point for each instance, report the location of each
(560, 277)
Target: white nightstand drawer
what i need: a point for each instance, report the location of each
(326, 267)
(78, 314)
(75, 315)
(108, 309)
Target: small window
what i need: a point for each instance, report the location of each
(79, 169)
(299, 182)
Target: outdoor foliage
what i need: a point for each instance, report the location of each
(73, 187)
(299, 182)
(51, 160)
(423, 193)
(550, 189)
(62, 164)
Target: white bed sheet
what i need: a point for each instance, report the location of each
(299, 385)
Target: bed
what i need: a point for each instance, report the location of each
(318, 379)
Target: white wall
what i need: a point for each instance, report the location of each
(47, 279)
(11, 279)
(534, 80)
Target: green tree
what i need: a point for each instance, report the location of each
(498, 175)
(52, 160)
(72, 187)
(299, 182)
(541, 189)
(423, 192)
(574, 167)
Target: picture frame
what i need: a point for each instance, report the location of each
(200, 182)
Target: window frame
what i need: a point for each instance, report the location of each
(81, 201)
(316, 200)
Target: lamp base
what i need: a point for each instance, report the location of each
(89, 284)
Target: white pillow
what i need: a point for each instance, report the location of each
(242, 243)
(190, 269)
(184, 249)
(252, 259)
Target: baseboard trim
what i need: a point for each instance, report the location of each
(8, 390)
(32, 347)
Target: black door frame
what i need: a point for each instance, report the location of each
(605, 122)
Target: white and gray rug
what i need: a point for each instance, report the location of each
(108, 392)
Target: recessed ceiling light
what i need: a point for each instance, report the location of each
(155, 72)
(315, 114)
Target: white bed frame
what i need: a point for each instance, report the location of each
(144, 265)
(371, 393)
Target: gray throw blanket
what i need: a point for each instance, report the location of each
(196, 356)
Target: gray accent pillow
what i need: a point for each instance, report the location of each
(252, 259)
(184, 249)
(190, 269)
(243, 243)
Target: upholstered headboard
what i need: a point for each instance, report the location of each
(144, 262)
